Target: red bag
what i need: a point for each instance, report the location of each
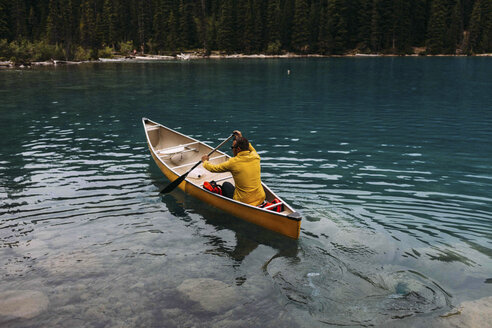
(278, 208)
(213, 187)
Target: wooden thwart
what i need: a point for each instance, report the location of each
(189, 164)
(169, 150)
(272, 206)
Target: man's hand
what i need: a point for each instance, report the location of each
(205, 158)
(237, 133)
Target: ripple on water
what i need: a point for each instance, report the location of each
(337, 294)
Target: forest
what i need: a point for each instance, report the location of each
(87, 29)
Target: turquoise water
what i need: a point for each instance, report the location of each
(387, 159)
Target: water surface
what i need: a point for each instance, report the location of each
(387, 159)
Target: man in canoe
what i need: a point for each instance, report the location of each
(245, 169)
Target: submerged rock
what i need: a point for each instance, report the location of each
(470, 314)
(22, 303)
(213, 295)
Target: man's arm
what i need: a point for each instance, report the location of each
(222, 167)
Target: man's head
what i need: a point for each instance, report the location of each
(240, 144)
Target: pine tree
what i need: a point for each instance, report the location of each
(159, 25)
(402, 38)
(476, 27)
(211, 34)
(19, 18)
(455, 31)
(249, 28)
(187, 25)
(259, 19)
(338, 26)
(363, 40)
(325, 38)
(54, 26)
(203, 27)
(172, 36)
(273, 21)
(225, 29)
(481, 27)
(314, 20)
(376, 30)
(144, 22)
(286, 24)
(300, 32)
(4, 26)
(437, 27)
(68, 27)
(87, 26)
(487, 31)
(419, 18)
(108, 24)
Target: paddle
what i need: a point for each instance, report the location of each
(170, 187)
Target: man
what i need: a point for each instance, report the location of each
(245, 169)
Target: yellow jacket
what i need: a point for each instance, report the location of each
(245, 169)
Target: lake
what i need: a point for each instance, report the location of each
(389, 161)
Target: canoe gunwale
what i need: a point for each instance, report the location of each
(292, 216)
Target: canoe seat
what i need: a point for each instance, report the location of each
(179, 149)
(169, 151)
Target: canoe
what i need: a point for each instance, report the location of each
(175, 153)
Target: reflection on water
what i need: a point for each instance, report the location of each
(392, 177)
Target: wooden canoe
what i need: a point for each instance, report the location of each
(175, 153)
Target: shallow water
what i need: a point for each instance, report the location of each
(387, 159)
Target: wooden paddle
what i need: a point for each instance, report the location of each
(170, 187)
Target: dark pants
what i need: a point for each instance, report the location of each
(227, 189)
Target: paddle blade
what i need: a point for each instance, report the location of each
(170, 187)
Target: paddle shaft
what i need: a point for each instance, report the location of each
(176, 182)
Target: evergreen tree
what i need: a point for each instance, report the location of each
(481, 27)
(19, 17)
(273, 21)
(68, 26)
(144, 22)
(31, 23)
(172, 36)
(437, 27)
(249, 28)
(338, 26)
(314, 20)
(87, 26)
(4, 26)
(240, 12)
(455, 31)
(325, 38)
(160, 25)
(300, 32)
(476, 26)
(54, 22)
(259, 19)
(487, 31)
(419, 17)
(376, 30)
(286, 24)
(211, 34)
(363, 40)
(225, 30)
(203, 27)
(402, 38)
(108, 24)
(187, 25)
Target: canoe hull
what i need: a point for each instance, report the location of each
(289, 226)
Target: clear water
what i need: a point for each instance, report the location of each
(388, 159)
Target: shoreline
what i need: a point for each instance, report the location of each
(195, 56)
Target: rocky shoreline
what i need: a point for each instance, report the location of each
(196, 56)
